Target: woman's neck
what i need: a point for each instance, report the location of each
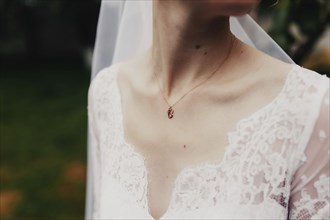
(187, 48)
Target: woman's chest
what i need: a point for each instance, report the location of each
(168, 176)
(244, 178)
(197, 132)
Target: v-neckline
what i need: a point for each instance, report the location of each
(214, 163)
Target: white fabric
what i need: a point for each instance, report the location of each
(275, 166)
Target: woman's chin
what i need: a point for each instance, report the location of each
(226, 7)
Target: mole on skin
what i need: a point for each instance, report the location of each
(184, 146)
(197, 46)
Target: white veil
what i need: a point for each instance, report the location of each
(125, 30)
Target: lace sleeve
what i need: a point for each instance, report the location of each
(310, 187)
(95, 151)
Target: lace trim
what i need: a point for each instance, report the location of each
(308, 207)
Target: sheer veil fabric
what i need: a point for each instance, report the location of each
(125, 30)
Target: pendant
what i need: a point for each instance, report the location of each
(170, 113)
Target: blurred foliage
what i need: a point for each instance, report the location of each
(35, 28)
(297, 25)
(43, 142)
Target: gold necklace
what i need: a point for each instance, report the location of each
(170, 111)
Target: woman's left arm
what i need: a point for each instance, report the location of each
(310, 192)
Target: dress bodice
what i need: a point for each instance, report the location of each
(276, 165)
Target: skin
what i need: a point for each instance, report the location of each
(190, 40)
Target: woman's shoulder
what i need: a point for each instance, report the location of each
(102, 85)
(308, 83)
(106, 73)
(312, 77)
(106, 78)
(123, 70)
(305, 88)
(297, 78)
(278, 70)
(111, 78)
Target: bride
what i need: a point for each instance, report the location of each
(203, 126)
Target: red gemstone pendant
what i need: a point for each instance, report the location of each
(170, 113)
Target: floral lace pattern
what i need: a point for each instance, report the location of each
(258, 177)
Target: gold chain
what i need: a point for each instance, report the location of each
(170, 111)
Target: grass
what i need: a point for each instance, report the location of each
(43, 143)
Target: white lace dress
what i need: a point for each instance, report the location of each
(275, 167)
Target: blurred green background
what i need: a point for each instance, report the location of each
(45, 56)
